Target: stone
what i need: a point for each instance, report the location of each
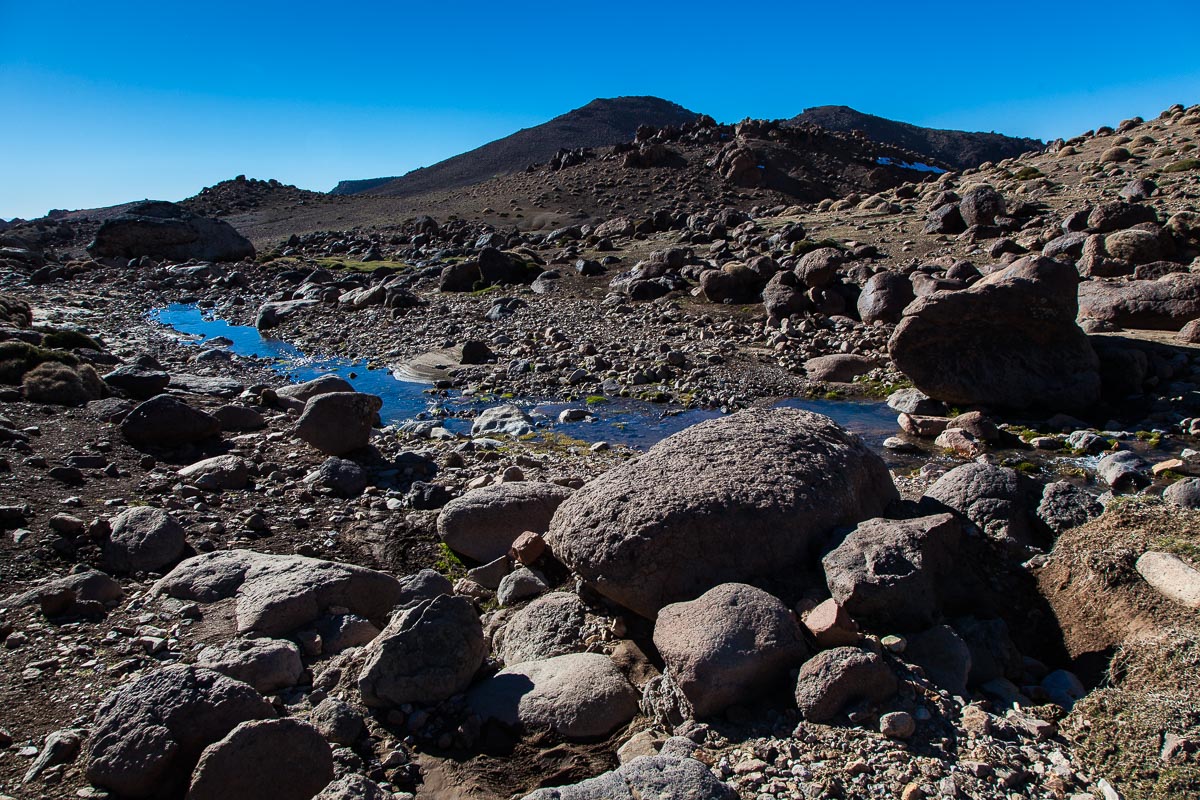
(993, 654)
(59, 747)
(428, 652)
(1184, 493)
(506, 420)
(528, 547)
(1172, 577)
(148, 735)
(339, 422)
(1065, 505)
(218, 473)
(830, 625)
(277, 758)
(997, 500)
(944, 657)
(271, 315)
(1165, 304)
(646, 778)
(897, 725)
(833, 679)
(625, 532)
(981, 204)
(727, 646)
(354, 787)
(143, 539)
(916, 403)
(164, 421)
(296, 396)
(166, 231)
(838, 368)
(138, 382)
(341, 476)
(266, 664)
(338, 721)
(551, 625)
(1009, 340)
(235, 418)
(520, 584)
(1123, 469)
(484, 523)
(578, 696)
(888, 574)
(277, 594)
(884, 297)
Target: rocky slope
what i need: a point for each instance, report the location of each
(600, 123)
(212, 573)
(952, 149)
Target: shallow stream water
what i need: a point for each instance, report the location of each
(634, 423)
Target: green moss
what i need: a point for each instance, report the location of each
(483, 291)
(1026, 468)
(1151, 438)
(338, 264)
(1028, 173)
(596, 400)
(17, 358)
(877, 389)
(808, 245)
(449, 564)
(1187, 165)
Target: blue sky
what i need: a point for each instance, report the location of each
(108, 102)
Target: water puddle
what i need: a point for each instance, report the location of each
(633, 423)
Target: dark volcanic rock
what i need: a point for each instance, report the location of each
(164, 230)
(1010, 340)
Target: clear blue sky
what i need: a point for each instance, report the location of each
(104, 102)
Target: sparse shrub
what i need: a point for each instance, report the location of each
(17, 358)
(62, 385)
(15, 311)
(68, 340)
(1187, 165)
(1028, 173)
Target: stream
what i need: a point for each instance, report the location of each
(634, 423)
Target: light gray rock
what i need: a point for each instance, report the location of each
(646, 778)
(218, 473)
(549, 626)
(296, 395)
(1123, 469)
(727, 646)
(1184, 493)
(143, 539)
(482, 524)
(1065, 505)
(683, 518)
(520, 584)
(266, 664)
(147, 735)
(578, 695)
(353, 787)
(277, 594)
(429, 652)
(1172, 577)
(507, 420)
(338, 721)
(277, 758)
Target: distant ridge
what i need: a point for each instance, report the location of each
(600, 123)
(957, 149)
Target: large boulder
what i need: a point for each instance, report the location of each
(888, 574)
(164, 421)
(997, 500)
(981, 204)
(483, 523)
(884, 297)
(276, 594)
(266, 664)
(429, 652)
(728, 645)
(218, 473)
(143, 539)
(339, 422)
(578, 696)
(284, 759)
(549, 626)
(147, 735)
(296, 395)
(167, 231)
(684, 517)
(1009, 340)
(833, 679)
(1166, 304)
